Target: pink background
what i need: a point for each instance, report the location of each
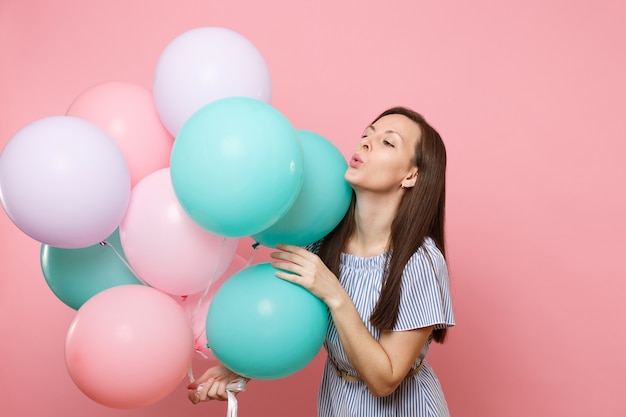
(530, 98)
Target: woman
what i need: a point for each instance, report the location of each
(383, 275)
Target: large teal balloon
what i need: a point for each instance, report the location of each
(237, 166)
(263, 327)
(75, 275)
(323, 200)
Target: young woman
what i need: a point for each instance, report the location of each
(382, 273)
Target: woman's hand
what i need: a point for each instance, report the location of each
(212, 385)
(298, 265)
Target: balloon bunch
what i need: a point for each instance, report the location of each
(139, 199)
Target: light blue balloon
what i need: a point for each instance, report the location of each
(323, 200)
(237, 166)
(263, 327)
(76, 275)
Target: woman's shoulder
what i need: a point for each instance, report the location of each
(429, 248)
(427, 255)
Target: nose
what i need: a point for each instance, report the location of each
(364, 144)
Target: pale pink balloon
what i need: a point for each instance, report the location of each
(127, 112)
(164, 246)
(129, 346)
(197, 306)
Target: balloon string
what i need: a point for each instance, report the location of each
(237, 385)
(255, 248)
(194, 315)
(190, 374)
(105, 243)
(186, 303)
(206, 290)
(231, 411)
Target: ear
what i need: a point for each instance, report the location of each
(411, 178)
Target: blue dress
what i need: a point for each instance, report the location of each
(425, 301)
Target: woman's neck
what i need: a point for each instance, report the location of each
(374, 215)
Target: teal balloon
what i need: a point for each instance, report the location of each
(263, 327)
(76, 275)
(237, 166)
(323, 200)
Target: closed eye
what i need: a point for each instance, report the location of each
(387, 143)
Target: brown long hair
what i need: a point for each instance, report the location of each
(420, 215)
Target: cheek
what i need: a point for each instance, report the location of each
(399, 173)
(396, 166)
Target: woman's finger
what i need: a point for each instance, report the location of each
(289, 250)
(218, 391)
(284, 256)
(287, 266)
(296, 279)
(201, 391)
(193, 396)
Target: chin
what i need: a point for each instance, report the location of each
(350, 179)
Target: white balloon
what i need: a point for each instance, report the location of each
(64, 182)
(203, 65)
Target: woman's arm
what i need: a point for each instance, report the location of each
(381, 364)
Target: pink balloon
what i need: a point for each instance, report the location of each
(64, 182)
(164, 246)
(129, 346)
(127, 113)
(197, 306)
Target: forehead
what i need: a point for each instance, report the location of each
(407, 128)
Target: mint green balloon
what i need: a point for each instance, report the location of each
(76, 275)
(323, 200)
(236, 166)
(263, 327)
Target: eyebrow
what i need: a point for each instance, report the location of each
(386, 131)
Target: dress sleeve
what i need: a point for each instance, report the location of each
(425, 299)
(315, 246)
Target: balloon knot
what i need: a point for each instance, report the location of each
(255, 245)
(201, 353)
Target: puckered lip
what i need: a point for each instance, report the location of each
(356, 158)
(355, 161)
